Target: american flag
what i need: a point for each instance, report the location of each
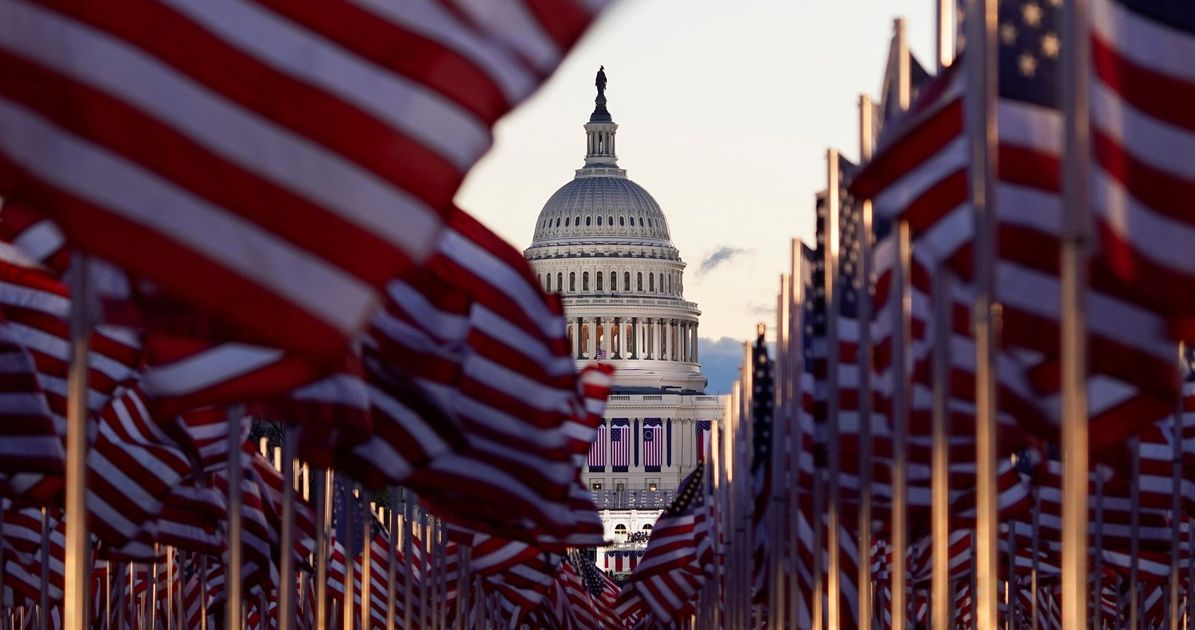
(671, 572)
(1126, 342)
(1143, 146)
(653, 445)
(156, 130)
(620, 444)
(763, 400)
(703, 430)
(600, 355)
(597, 450)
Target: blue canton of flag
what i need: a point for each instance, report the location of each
(1029, 51)
(616, 434)
(648, 435)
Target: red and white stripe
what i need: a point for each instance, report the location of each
(1143, 149)
(362, 146)
(597, 450)
(653, 444)
(620, 444)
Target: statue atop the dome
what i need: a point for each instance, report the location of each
(600, 82)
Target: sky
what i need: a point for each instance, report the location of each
(725, 111)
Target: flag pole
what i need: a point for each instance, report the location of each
(408, 531)
(833, 458)
(981, 61)
(77, 540)
(945, 53)
(349, 498)
(1035, 547)
(1098, 551)
(43, 596)
(943, 606)
(323, 514)
(366, 565)
(1134, 532)
(286, 560)
(796, 367)
(1176, 479)
(1075, 243)
(780, 490)
(392, 559)
(202, 592)
(901, 353)
(864, 232)
(234, 556)
(900, 425)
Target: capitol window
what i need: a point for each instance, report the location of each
(577, 221)
(549, 287)
(622, 221)
(610, 220)
(639, 282)
(626, 281)
(565, 221)
(557, 221)
(599, 220)
(559, 282)
(572, 281)
(585, 281)
(599, 280)
(613, 281)
(651, 283)
(640, 221)
(588, 221)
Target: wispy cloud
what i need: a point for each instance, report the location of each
(719, 257)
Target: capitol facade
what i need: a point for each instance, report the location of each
(602, 242)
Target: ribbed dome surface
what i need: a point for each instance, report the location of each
(594, 207)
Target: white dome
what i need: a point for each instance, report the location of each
(601, 207)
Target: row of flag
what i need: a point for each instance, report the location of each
(218, 212)
(981, 406)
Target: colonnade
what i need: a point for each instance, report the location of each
(653, 338)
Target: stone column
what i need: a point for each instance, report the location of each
(634, 338)
(577, 337)
(591, 347)
(650, 338)
(675, 340)
(618, 346)
(696, 344)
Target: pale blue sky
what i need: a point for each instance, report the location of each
(725, 109)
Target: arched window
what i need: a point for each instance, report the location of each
(572, 281)
(559, 282)
(670, 283)
(647, 527)
(599, 281)
(639, 282)
(640, 221)
(577, 220)
(540, 278)
(613, 281)
(565, 221)
(651, 283)
(585, 281)
(610, 220)
(620, 529)
(549, 287)
(599, 219)
(588, 221)
(661, 283)
(626, 281)
(622, 221)
(557, 221)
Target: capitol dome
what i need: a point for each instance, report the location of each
(602, 242)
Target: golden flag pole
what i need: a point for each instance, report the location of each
(864, 232)
(1076, 58)
(77, 540)
(981, 124)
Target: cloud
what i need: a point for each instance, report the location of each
(720, 361)
(762, 309)
(718, 257)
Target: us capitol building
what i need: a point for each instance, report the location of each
(602, 243)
